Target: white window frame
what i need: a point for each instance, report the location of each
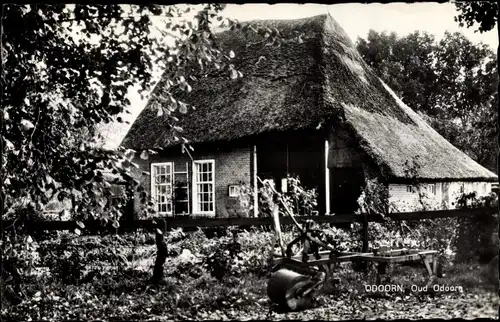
(153, 184)
(196, 209)
(234, 191)
(432, 189)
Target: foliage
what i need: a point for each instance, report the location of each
(483, 13)
(245, 199)
(69, 68)
(232, 254)
(344, 240)
(374, 199)
(435, 234)
(127, 295)
(451, 82)
(19, 255)
(299, 200)
(478, 237)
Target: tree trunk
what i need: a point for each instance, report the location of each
(161, 251)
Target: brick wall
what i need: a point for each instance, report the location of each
(232, 167)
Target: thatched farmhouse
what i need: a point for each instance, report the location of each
(311, 108)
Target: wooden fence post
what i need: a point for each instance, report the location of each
(365, 233)
(365, 240)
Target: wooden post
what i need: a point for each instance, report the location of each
(365, 233)
(365, 240)
(277, 228)
(255, 184)
(327, 180)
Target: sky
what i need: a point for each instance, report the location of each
(356, 19)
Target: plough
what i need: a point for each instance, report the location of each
(297, 280)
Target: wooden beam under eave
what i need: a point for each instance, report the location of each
(255, 184)
(327, 180)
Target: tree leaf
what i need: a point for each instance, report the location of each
(144, 155)
(129, 154)
(26, 125)
(231, 54)
(80, 224)
(77, 231)
(234, 74)
(9, 145)
(183, 108)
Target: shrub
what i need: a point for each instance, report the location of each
(477, 237)
(299, 200)
(436, 234)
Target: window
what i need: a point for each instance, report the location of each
(409, 189)
(284, 185)
(234, 191)
(161, 186)
(203, 187)
(432, 188)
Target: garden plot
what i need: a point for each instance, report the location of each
(120, 287)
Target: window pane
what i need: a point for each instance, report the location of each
(204, 196)
(161, 189)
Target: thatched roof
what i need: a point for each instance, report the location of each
(299, 85)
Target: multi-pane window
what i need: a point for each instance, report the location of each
(432, 188)
(203, 186)
(234, 191)
(161, 186)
